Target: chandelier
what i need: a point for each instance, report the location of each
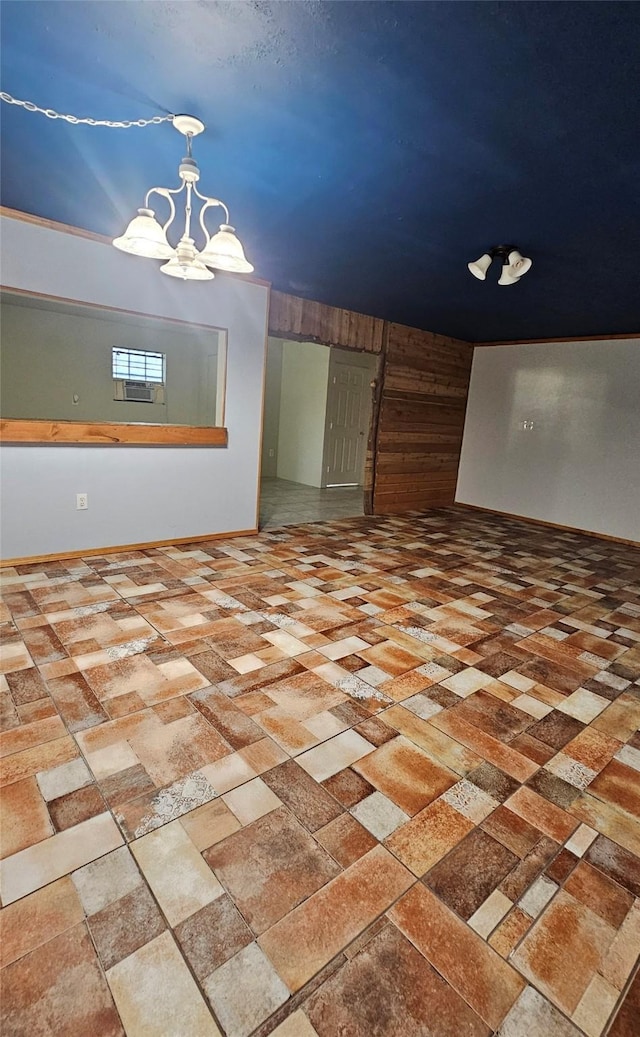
(146, 237)
(514, 264)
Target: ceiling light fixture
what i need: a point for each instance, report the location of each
(514, 264)
(146, 237)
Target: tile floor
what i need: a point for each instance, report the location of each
(285, 503)
(366, 777)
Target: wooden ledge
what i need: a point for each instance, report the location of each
(16, 430)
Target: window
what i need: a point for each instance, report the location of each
(138, 365)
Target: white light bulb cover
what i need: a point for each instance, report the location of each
(191, 271)
(518, 264)
(506, 277)
(224, 251)
(480, 267)
(145, 237)
(186, 263)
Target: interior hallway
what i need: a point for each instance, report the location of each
(370, 776)
(285, 503)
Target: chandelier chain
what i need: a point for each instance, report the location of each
(75, 120)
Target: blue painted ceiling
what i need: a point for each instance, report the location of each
(367, 151)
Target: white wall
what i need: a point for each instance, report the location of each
(303, 405)
(271, 424)
(50, 354)
(580, 465)
(136, 494)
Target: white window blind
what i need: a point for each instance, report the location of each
(138, 365)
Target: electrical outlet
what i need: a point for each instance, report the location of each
(82, 501)
(271, 452)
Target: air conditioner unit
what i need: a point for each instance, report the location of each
(138, 392)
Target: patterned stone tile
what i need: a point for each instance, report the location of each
(509, 932)
(384, 990)
(628, 1017)
(38, 918)
(564, 950)
(562, 866)
(269, 867)
(502, 756)
(313, 933)
(156, 995)
(486, 917)
(618, 785)
(538, 811)
(470, 801)
(245, 991)
(334, 755)
(530, 867)
(209, 824)
(156, 807)
(473, 870)
(174, 750)
(429, 836)
(534, 1016)
(44, 984)
(312, 805)
(616, 862)
(74, 807)
(106, 880)
(379, 815)
(488, 984)
(251, 801)
(124, 926)
(212, 935)
(346, 839)
(175, 871)
(347, 787)
(405, 774)
(78, 704)
(498, 785)
(556, 729)
(537, 896)
(60, 854)
(25, 818)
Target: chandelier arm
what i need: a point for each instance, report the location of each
(165, 192)
(208, 203)
(211, 201)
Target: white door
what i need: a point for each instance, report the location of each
(348, 405)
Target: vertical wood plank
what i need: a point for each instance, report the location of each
(421, 418)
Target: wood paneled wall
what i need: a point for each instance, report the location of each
(423, 400)
(307, 321)
(419, 400)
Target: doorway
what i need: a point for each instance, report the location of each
(317, 415)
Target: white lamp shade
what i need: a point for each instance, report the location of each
(145, 237)
(480, 267)
(225, 252)
(187, 270)
(518, 264)
(186, 263)
(506, 277)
